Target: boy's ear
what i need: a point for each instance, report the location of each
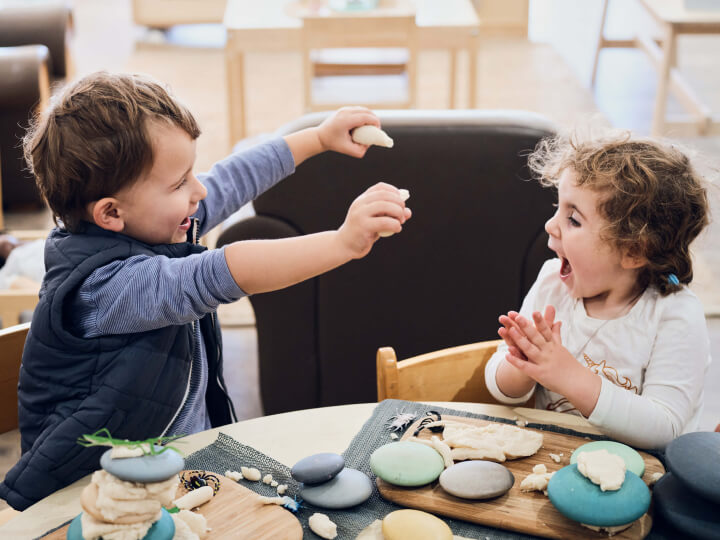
(106, 214)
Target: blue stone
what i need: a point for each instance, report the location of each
(693, 459)
(317, 468)
(145, 469)
(579, 499)
(696, 517)
(633, 461)
(162, 529)
(349, 488)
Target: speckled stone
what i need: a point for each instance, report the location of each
(579, 499)
(696, 517)
(406, 463)
(415, 525)
(477, 479)
(145, 469)
(349, 488)
(317, 468)
(633, 461)
(693, 459)
(162, 529)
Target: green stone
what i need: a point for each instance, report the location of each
(406, 463)
(633, 461)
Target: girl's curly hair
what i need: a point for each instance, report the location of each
(654, 201)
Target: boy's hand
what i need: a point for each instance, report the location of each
(379, 209)
(334, 132)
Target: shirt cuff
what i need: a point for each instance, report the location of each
(225, 284)
(284, 154)
(604, 403)
(491, 383)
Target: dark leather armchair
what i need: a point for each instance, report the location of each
(471, 251)
(33, 53)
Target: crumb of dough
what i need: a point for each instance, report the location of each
(521, 423)
(194, 520)
(394, 436)
(234, 475)
(281, 489)
(267, 479)
(555, 457)
(537, 480)
(322, 526)
(654, 477)
(602, 468)
(251, 473)
(274, 483)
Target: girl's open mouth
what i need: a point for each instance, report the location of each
(565, 268)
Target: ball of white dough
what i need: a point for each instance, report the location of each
(405, 194)
(371, 135)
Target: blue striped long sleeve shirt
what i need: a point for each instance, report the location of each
(144, 293)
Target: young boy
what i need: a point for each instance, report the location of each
(125, 336)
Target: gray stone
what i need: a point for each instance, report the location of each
(145, 469)
(317, 468)
(349, 488)
(477, 479)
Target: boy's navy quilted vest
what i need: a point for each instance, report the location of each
(132, 384)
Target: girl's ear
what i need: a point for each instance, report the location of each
(106, 214)
(632, 260)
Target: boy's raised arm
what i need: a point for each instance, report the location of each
(265, 265)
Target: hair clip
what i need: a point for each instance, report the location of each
(673, 279)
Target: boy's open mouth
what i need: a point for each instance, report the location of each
(185, 225)
(565, 268)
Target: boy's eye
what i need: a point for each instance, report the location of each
(181, 184)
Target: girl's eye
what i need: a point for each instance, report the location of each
(574, 222)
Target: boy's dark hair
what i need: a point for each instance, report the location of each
(654, 201)
(93, 140)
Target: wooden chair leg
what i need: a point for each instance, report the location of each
(387, 373)
(600, 42)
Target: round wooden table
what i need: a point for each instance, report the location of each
(286, 437)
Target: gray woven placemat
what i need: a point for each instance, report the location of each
(228, 454)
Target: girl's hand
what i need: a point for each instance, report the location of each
(334, 132)
(509, 321)
(379, 209)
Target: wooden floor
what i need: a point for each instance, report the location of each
(549, 77)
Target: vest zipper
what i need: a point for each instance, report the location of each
(187, 391)
(231, 409)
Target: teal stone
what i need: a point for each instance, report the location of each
(406, 463)
(577, 498)
(162, 529)
(144, 469)
(633, 461)
(348, 488)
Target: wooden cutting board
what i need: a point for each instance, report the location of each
(234, 512)
(526, 512)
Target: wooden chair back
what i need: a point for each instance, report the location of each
(12, 341)
(454, 374)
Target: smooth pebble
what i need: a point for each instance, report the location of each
(477, 479)
(317, 468)
(145, 469)
(406, 463)
(633, 461)
(349, 488)
(406, 524)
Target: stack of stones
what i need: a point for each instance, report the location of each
(688, 496)
(327, 483)
(127, 496)
(578, 498)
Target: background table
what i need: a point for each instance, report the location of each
(286, 437)
(273, 25)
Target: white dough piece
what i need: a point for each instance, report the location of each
(251, 473)
(602, 468)
(122, 452)
(555, 457)
(322, 526)
(194, 520)
(493, 441)
(281, 489)
(234, 475)
(267, 479)
(444, 450)
(654, 477)
(371, 135)
(405, 194)
(194, 498)
(537, 480)
(274, 483)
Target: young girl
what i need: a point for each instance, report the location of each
(621, 340)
